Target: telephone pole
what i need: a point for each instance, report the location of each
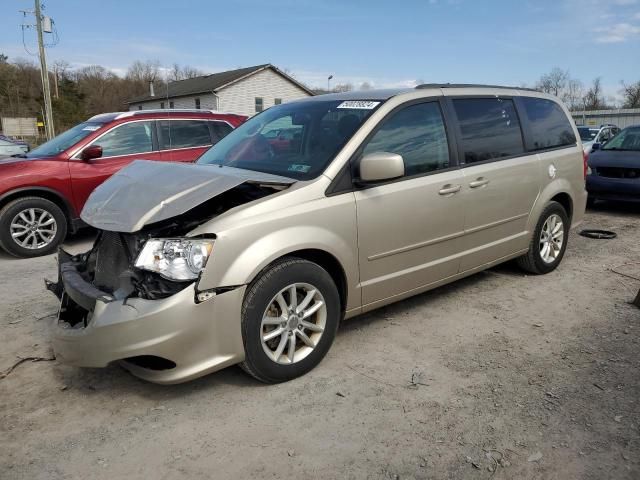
(48, 110)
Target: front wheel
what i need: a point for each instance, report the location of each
(290, 315)
(549, 241)
(31, 226)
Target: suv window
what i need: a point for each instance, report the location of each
(134, 137)
(549, 126)
(490, 128)
(220, 130)
(184, 134)
(417, 133)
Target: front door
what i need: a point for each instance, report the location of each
(120, 146)
(409, 230)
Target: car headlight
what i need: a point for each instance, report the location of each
(175, 258)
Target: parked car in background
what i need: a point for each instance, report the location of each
(601, 135)
(42, 192)
(614, 168)
(255, 254)
(9, 149)
(21, 143)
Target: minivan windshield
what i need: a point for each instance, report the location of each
(64, 140)
(627, 139)
(296, 140)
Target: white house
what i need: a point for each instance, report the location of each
(245, 91)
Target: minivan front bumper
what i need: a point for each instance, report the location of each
(191, 339)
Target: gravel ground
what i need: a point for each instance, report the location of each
(501, 375)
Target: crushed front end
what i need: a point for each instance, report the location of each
(158, 328)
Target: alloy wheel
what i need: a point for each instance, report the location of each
(551, 238)
(293, 323)
(33, 228)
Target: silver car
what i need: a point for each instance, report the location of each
(9, 149)
(254, 255)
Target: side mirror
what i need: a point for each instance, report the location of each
(379, 166)
(91, 152)
(595, 146)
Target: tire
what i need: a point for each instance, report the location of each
(47, 237)
(262, 298)
(533, 261)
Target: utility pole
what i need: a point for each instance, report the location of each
(48, 110)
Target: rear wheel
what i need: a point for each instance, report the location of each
(549, 241)
(31, 226)
(290, 315)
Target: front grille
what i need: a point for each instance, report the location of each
(618, 172)
(111, 260)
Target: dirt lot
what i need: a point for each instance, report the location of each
(500, 375)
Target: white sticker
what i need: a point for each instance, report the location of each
(359, 104)
(91, 128)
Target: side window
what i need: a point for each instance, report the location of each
(220, 130)
(184, 134)
(490, 128)
(605, 135)
(134, 137)
(417, 133)
(549, 125)
(197, 103)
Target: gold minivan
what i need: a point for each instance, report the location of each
(309, 213)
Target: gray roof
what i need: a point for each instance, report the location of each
(211, 83)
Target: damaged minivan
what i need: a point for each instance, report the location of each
(309, 213)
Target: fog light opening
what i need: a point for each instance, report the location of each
(151, 362)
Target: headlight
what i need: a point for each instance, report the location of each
(175, 258)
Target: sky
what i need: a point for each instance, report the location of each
(389, 43)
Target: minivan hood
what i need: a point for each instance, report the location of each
(147, 192)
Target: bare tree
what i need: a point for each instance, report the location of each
(343, 87)
(631, 95)
(365, 86)
(594, 99)
(554, 82)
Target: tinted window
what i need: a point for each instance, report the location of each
(490, 128)
(549, 126)
(417, 133)
(126, 139)
(220, 130)
(184, 133)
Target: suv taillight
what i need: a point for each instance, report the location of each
(585, 157)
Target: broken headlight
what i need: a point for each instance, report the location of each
(175, 258)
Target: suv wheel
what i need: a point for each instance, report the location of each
(290, 315)
(549, 241)
(31, 226)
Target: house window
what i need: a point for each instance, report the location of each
(259, 104)
(139, 107)
(161, 104)
(197, 100)
(170, 104)
(277, 101)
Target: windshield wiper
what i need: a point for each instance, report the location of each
(620, 149)
(19, 155)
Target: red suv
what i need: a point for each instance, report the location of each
(42, 192)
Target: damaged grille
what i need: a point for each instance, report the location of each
(112, 259)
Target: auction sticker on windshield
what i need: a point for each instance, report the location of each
(359, 104)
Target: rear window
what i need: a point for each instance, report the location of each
(490, 128)
(549, 126)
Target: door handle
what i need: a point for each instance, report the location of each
(479, 182)
(448, 189)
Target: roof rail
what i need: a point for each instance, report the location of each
(470, 85)
(133, 113)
